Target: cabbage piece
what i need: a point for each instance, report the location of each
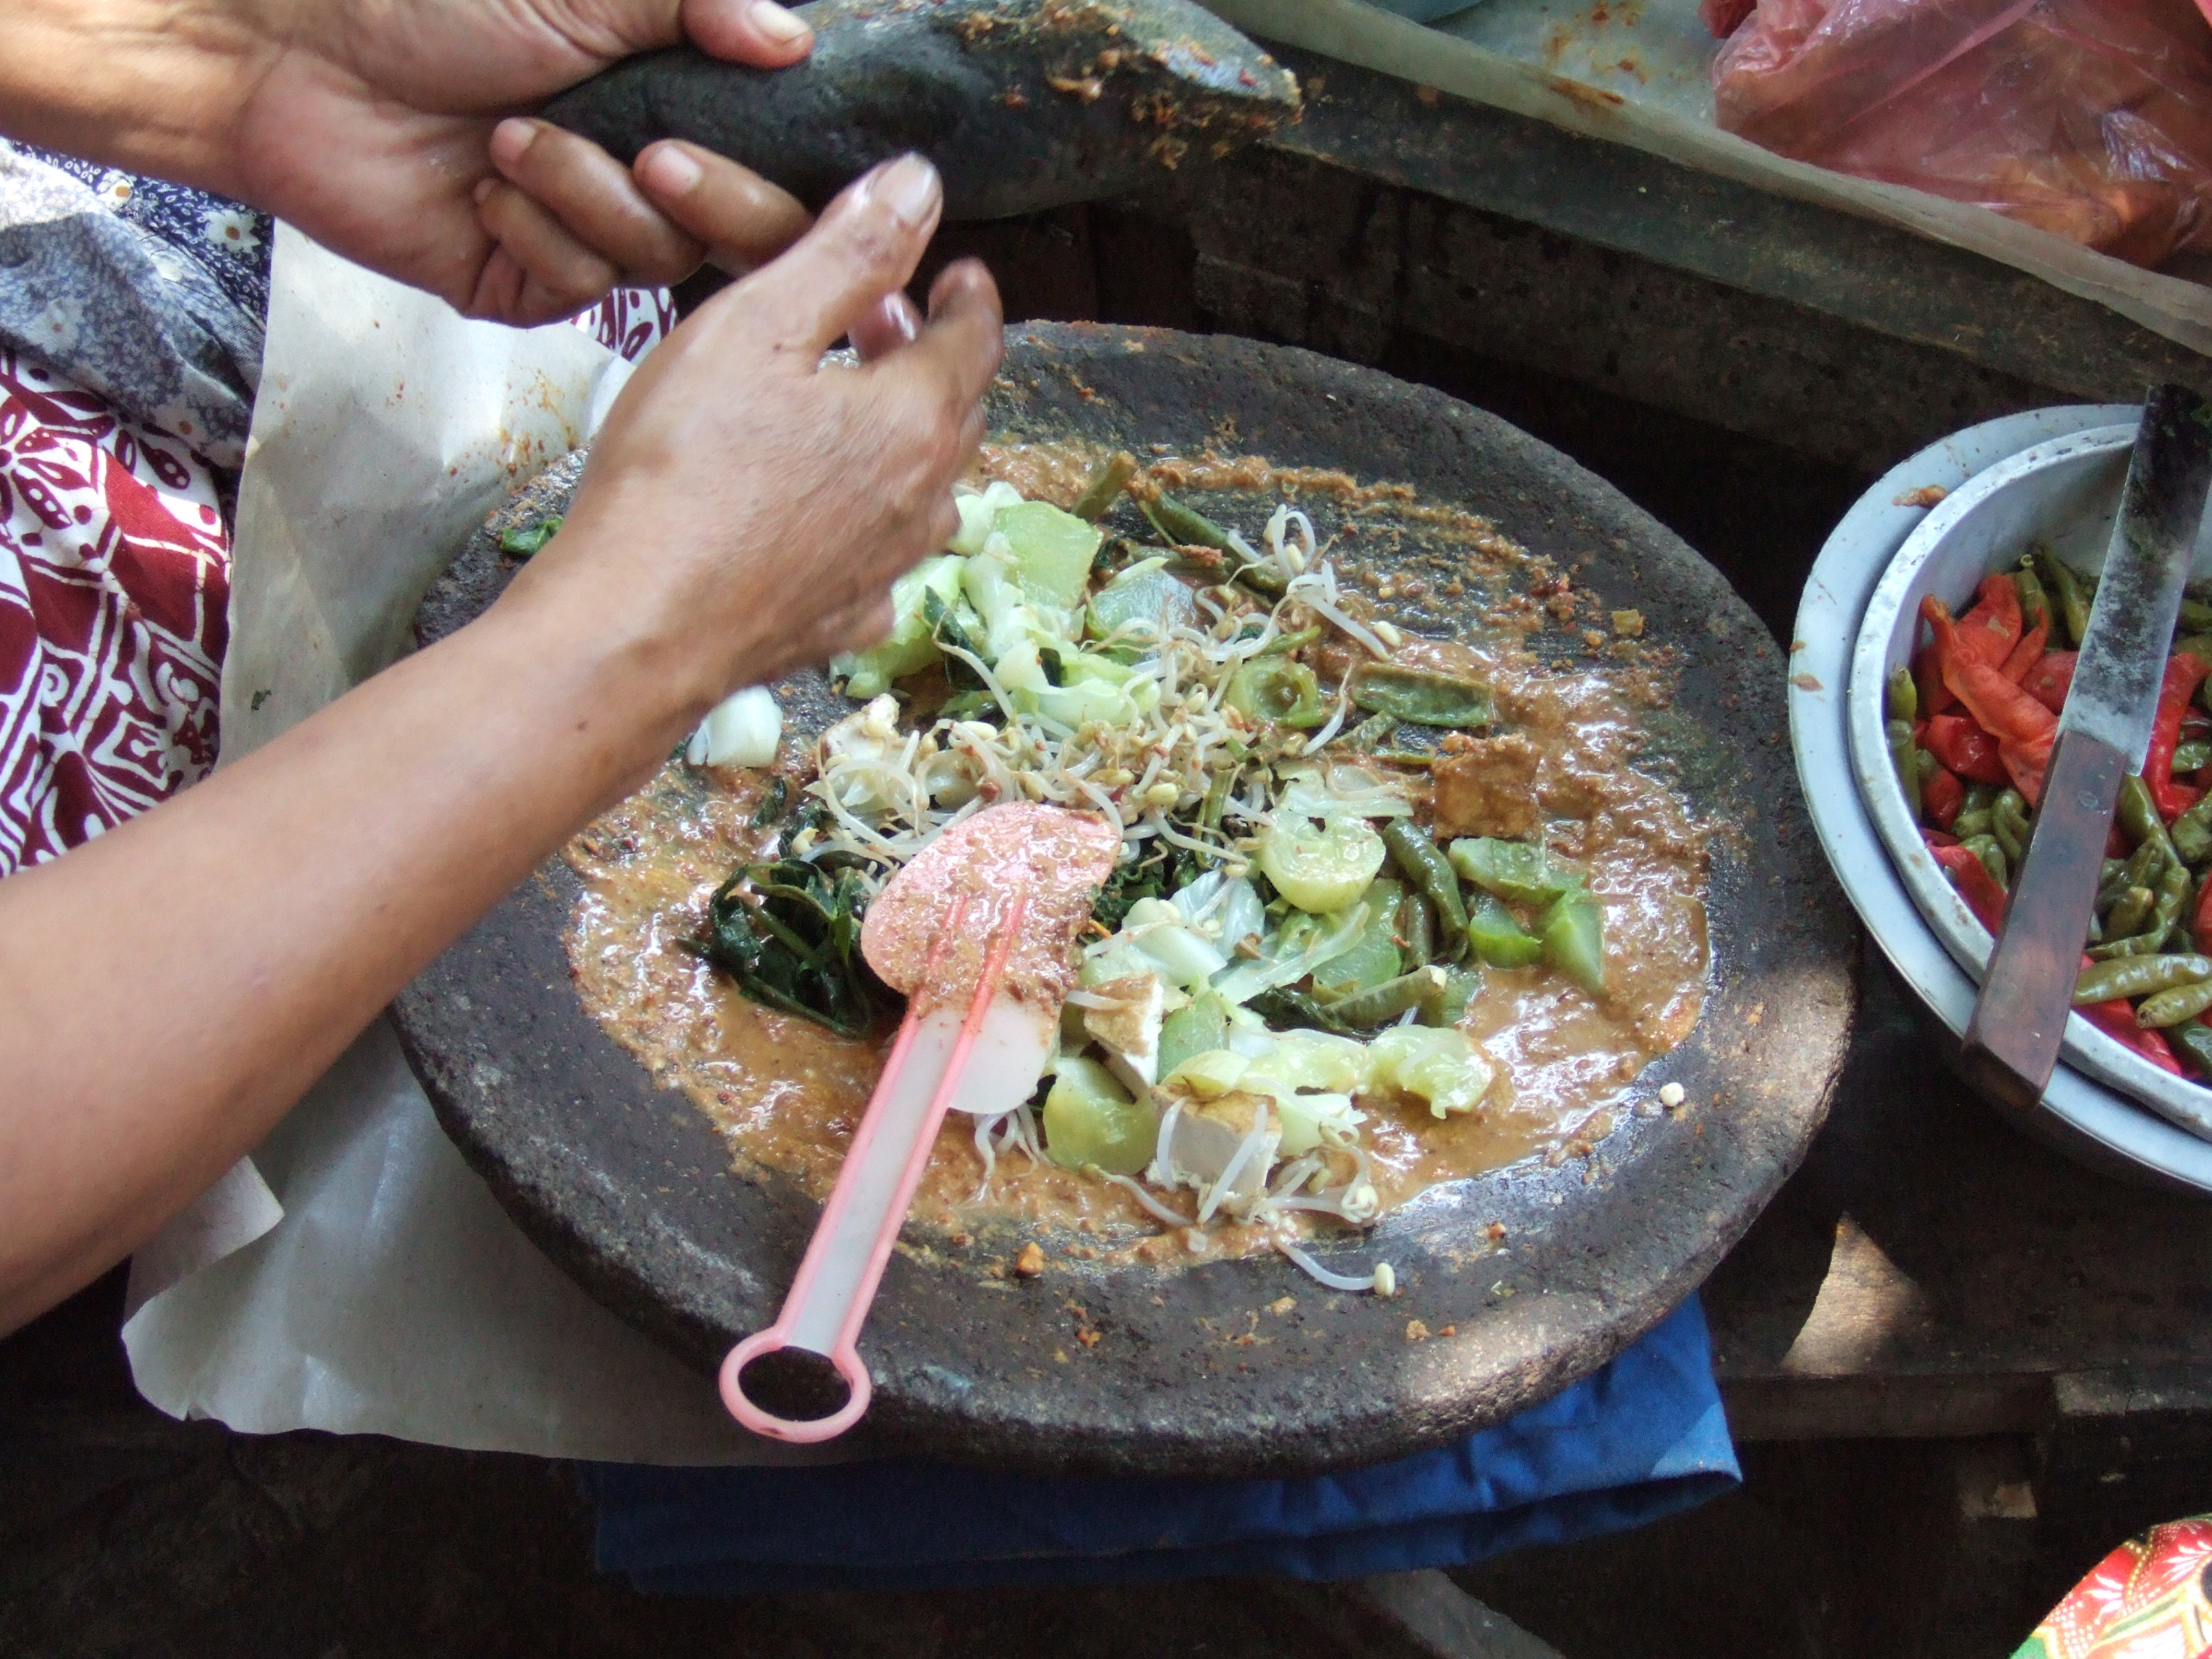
(1051, 551)
(1292, 952)
(979, 515)
(1340, 791)
(1082, 696)
(1443, 1066)
(1185, 955)
(1142, 603)
(741, 730)
(907, 648)
(1207, 1076)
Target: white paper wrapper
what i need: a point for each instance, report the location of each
(355, 1276)
(1670, 115)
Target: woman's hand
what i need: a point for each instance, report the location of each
(174, 985)
(764, 526)
(397, 132)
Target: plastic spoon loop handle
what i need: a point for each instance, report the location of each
(836, 1281)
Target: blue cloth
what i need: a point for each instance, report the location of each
(1640, 1439)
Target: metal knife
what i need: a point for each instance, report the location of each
(2019, 1018)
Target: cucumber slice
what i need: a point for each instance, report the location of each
(1090, 1119)
(1497, 938)
(1573, 931)
(1146, 600)
(1320, 871)
(1195, 1029)
(1375, 958)
(1516, 870)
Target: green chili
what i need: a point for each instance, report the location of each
(2140, 817)
(2190, 755)
(2138, 976)
(1498, 939)
(2198, 645)
(2034, 603)
(1901, 696)
(2171, 1007)
(1971, 823)
(2064, 587)
(2194, 1039)
(1413, 852)
(1905, 761)
(1419, 696)
(1108, 479)
(1992, 857)
(2129, 914)
(2009, 823)
(2192, 832)
(2196, 616)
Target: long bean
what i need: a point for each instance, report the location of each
(1107, 482)
(2138, 976)
(1417, 928)
(1431, 874)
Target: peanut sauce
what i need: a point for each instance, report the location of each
(787, 1094)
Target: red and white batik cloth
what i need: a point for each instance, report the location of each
(114, 597)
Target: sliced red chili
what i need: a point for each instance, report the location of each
(2183, 674)
(1975, 884)
(1928, 676)
(1941, 795)
(2050, 679)
(1992, 630)
(1963, 748)
(2026, 653)
(2024, 728)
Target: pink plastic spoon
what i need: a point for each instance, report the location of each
(1011, 885)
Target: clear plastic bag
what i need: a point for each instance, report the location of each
(2090, 118)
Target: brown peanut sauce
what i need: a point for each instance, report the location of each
(787, 1094)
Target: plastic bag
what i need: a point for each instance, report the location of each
(2090, 118)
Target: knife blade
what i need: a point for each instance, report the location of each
(2012, 1042)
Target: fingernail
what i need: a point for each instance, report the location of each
(669, 170)
(510, 138)
(779, 25)
(484, 188)
(909, 187)
(899, 312)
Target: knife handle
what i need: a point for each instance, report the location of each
(2019, 1018)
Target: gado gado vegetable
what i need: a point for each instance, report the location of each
(1280, 948)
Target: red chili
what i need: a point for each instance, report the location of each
(2183, 674)
(2024, 728)
(2049, 680)
(2117, 1019)
(1991, 629)
(1928, 676)
(1962, 747)
(1939, 838)
(1976, 885)
(1941, 795)
(2026, 653)
(2200, 925)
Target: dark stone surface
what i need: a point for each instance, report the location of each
(628, 1186)
(1022, 107)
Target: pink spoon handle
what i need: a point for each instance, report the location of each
(836, 1281)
